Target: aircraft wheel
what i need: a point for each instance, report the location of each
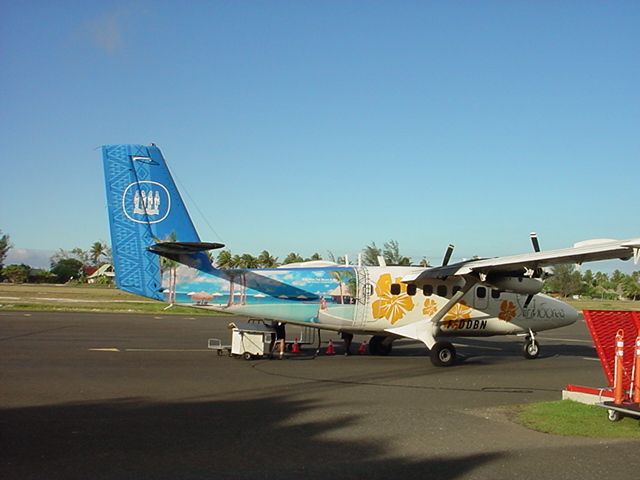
(443, 354)
(531, 349)
(378, 346)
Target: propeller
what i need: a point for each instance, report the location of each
(536, 248)
(534, 241)
(447, 255)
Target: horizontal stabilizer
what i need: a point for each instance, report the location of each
(178, 248)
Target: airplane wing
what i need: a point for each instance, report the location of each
(518, 265)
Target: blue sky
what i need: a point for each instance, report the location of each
(314, 126)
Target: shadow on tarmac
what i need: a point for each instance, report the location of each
(256, 438)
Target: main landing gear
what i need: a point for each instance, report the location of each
(530, 347)
(443, 354)
(380, 345)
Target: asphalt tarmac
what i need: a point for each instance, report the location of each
(137, 396)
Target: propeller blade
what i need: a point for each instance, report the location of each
(447, 255)
(534, 241)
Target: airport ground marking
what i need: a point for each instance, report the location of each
(567, 340)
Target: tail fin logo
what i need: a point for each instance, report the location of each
(146, 202)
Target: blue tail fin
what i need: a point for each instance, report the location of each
(144, 208)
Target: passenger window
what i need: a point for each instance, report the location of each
(481, 292)
(495, 293)
(411, 289)
(427, 290)
(442, 290)
(395, 289)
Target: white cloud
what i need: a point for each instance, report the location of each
(33, 258)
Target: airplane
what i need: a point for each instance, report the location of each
(158, 254)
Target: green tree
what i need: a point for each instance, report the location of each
(338, 260)
(224, 259)
(370, 254)
(17, 273)
(247, 261)
(4, 247)
(292, 258)
(67, 268)
(392, 256)
(97, 251)
(631, 288)
(40, 275)
(170, 266)
(266, 260)
(424, 262)
(315, 257)
(566, 280)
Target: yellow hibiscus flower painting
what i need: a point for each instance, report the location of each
(430, 307)
(507, 311)
(391, 307)
(459, 312)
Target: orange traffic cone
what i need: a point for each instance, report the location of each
(330, 350)
(363, 348)
(296, 347)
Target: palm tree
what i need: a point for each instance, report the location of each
(292, 258)
(224, 259)
(171, 266)
(98, 250)
(266, 260)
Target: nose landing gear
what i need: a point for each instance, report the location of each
(530, 347)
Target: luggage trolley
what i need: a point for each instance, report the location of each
(250, 339)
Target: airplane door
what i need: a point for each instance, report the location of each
(480, 297)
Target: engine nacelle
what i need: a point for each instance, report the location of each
(523, 285)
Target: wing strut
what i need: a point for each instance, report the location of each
(469, 282)
(425, 330)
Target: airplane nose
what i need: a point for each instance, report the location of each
(571, 315)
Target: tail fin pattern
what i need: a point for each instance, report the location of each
(144, 208)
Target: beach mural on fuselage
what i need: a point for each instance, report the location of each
(336, 297)
(319, 295)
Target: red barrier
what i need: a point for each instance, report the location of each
(603, 325)
(636, 373)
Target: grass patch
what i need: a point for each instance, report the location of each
(158, 309)
(566, 417)
(66, 298)
(596, 304)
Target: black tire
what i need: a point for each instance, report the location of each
(443, 354)
(378, 346)
(531, 349)
(614, 415)
(247, 356)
